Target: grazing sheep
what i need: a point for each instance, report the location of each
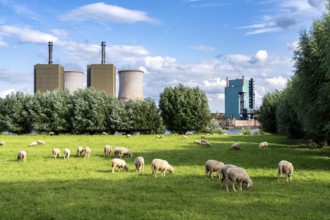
(197, 142)
(159, 136)
(104, 133)
(161, 165)
(202, 137)
(33, 144)
(206, 143)
(21, 156)
(67, 153)
(221, 174)
(122, 152)
(56, 152)
(87, 151)
(2, 143)
(286, 168)
(40, 142)
(239, 175)
(107, 150)
(184, 137)
(80, 151)
(235, 146)
(120, 163)
(263, 145)
(139, 164)
(213, 166)
(128, 135)
(51, 133)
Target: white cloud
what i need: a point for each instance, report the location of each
(204, 48)
(293, 46)
(261, 55)
(4, 93)
(104, 12)
(278, 82)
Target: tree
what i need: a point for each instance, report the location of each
(184, 109)
(268, 111)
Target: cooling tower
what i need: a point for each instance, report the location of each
(130, 84)
(73, 80)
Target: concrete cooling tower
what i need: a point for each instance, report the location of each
(73, 80)
(130, 84)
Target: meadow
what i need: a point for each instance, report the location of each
(84, 188)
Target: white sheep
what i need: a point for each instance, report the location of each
(87, 151)
(235, 146)
(263, 145)
(197, 142)
(40, 142)
(213, 166)
(203, 137)
(67, 153)
(21, 155)
(239, 175)
(184, 137)
(56, 152)
(128, 135)
(2, 143)
(104, 133)
(160, 165)
(286, 168)
(33, 144)
(221, 174)
(139, 164)
(159, 136)
(80, 151)
(51, 133)
(107, 150)
(122, 152)
(120, 163)
(206, 143)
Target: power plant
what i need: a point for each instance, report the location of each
(73, 80)
(130, 84)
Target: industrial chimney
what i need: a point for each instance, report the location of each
(50, 52)
(103, 52)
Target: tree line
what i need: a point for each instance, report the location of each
(92, 111)
(302, 109)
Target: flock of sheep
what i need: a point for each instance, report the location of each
(225, 172)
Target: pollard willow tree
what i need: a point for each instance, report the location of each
(184, 109)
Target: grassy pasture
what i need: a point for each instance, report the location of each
(79, 188)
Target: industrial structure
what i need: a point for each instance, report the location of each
(102, 76)
(48, 77)
(239, 98)
(73, 80)
(130, 84)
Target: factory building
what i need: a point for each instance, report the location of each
(239, 98)
(48, 77)
(102, 76)
(130, 85)
(73, 80)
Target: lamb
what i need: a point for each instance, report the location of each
(2, 143)
(33, 144)
(80, 151)
(120, 163)
(286, 168)
(87, 151)
(139, 164)
(235, 146)
(263, 145)
(239, 175)
(40, 142)
(67, 153)
(122, 152)
(160, 165)
(56, 152)
(107, 150)
(21, 156)
(213, 166)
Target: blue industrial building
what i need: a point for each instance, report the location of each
(239, 98)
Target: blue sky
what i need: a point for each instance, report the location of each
(193, 42)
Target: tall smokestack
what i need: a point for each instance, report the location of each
(243, 80)
(103, 52)
(50, 52)
(226, 81)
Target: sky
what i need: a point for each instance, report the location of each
(189, 42)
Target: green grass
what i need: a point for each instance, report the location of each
(79, 188)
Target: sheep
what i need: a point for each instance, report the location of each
(40, 142)
(184, 137)
(56, 152)
(206, 143)
(80, 151)
(67, 153)
(161, 165)
(286, 168)
(263, 145)
(21, 155)
(197, 142)
(235, 146)
(212, 166)
(107, 150)
(128, 135)
(120, 163)
(87, 151)
(33, 144)
(203, 137)
(122, 152)
(51, 133)
(159, 136)
(221, 174)
(139, 164)
(239, 175)
(104, 133)
(2, 143)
